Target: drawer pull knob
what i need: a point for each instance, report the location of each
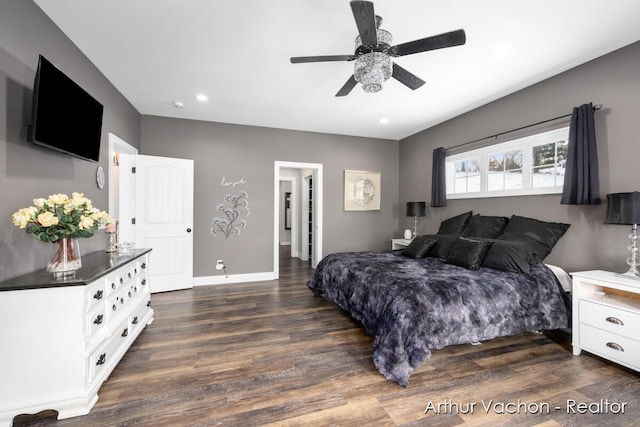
(114, 307)
(144, 265)
(144, 282)
(98, 319)
(121, 280)
(149, 303)
(113, 285)
(125, 332)
(101, 359)
(135, 320)
(615, 346)
(615, 320)
(98, 295)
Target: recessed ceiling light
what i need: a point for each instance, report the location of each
(202, 97)
(501, 51)
(178, 104)
(384, 120)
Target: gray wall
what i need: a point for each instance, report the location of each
(236, 152)
(28, 171)
(245, 152)
(612, 80)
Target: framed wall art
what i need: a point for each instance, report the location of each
(361, 190)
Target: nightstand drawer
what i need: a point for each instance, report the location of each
(612, 319)
(611, 346)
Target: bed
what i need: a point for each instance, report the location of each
(448, 289)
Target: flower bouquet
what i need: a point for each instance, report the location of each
(61, 220)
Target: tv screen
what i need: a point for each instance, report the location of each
(64, 116)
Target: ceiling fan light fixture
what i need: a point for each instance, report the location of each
(384, 38)
(372, 69)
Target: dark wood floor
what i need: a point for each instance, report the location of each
(271, 353)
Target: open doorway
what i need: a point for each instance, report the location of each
(303, 182)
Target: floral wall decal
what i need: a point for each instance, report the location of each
(234, 206)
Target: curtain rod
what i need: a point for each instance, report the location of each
(595, 108)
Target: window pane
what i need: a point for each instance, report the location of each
(544, 176)
(461, 185)
(513, 160)
(495, 162)
(544, 154)
(495, 181)
(473, 166)
(513, 180)
(473, 183)
(562, 147)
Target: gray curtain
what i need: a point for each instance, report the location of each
(439, 179)
(581, 183)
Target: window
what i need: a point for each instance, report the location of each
(530, 165)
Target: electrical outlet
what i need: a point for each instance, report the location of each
(219, 264)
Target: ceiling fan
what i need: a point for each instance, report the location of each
(373, 52)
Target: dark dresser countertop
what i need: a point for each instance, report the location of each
(94, 266)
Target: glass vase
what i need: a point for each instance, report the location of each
(65, 258)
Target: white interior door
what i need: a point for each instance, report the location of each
(164, 219)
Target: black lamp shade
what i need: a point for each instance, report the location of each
(622, 208)
(416, 208)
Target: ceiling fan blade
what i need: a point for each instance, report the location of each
(408, 79)
(366, 21)
(326, 58)
(452, 38)
(350, 84)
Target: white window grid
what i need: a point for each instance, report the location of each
(481, 155)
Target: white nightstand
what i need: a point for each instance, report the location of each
(606, 316)
(400, 243)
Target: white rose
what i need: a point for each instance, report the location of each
(47, 219)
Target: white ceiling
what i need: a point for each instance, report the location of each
(237, 52)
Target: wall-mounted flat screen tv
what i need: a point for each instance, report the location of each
(64, 116)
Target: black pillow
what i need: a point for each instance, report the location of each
(542, 235)
(489, 227)
(419, 247)
(443, 245)
(510, 256)
(468, 253)
(455, 225)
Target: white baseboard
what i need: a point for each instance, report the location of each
(233, 278)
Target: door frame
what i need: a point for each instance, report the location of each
(318, 196)
(294, 212)
(116, 146)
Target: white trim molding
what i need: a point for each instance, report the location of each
(234, 278)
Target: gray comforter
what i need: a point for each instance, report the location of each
(412, 306)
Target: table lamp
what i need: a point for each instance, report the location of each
(624, 209)
(416, 209)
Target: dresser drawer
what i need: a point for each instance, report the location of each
(121, 277)
(138, 317)
(612, 319)
(94, 294)
(104, 356)
(95, 321)
(611, 346)
(117, 302)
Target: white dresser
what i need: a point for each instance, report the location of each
(62, 338)
(606, 316)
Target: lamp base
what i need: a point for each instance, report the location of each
(631, 274)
